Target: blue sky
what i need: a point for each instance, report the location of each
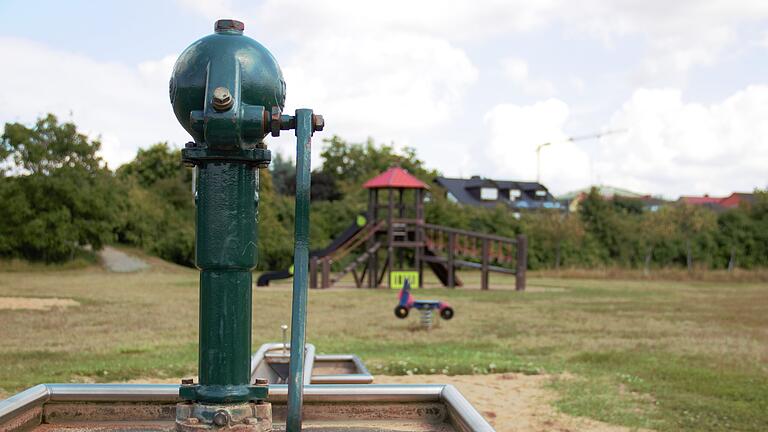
(473, 86)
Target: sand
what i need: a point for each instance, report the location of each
(510, 402)
(30, 303)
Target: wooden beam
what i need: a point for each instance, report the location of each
(522, 262)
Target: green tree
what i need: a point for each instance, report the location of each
(351, 164)
(157, 212)
(59, 196)
(695, 225)
(156, 163)
(654, 228)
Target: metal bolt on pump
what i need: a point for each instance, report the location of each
(228, 92)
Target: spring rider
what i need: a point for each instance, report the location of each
(228, 92)
(406, 302)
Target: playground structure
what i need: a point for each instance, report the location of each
(228, 92)
(396, 229)
(393, 236)
(406, 302)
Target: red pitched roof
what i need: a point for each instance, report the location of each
(699, 200)
(395, 177)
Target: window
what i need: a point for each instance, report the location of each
(514, 194)
(489, 194)
(541, 193)
(451, 197)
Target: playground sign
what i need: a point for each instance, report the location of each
(397, 279)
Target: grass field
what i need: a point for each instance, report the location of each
(662, 355)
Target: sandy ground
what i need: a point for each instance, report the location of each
(510, 402)
(29, 303)
(120, 262)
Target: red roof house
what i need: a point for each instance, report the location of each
(700, 200)
(732, 201)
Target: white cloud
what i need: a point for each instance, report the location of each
(516, 70)
(676, 147)
(454, 21)
(515, 131)
(127, 106)
(679, 35)
(212, 9)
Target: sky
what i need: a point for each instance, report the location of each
(474, 86)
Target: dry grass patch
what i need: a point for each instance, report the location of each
(31, 303)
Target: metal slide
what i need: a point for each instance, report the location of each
(339, 241)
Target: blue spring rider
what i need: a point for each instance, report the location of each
(407, 302)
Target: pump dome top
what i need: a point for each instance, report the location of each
(242, 70)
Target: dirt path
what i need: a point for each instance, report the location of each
(120, 262)
(510, 402)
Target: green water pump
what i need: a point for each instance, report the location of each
(228, 92)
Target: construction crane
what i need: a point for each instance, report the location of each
(570, 139)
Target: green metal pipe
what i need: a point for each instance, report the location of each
(304, 130)
(226, 254)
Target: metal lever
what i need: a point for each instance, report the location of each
(305, 125)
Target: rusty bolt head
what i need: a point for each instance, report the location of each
(318, 122)
(274, 121)
(228, 25)
(221, 418)
(261, 381)
(222, 99)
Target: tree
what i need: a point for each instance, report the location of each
(654, 227)
(283, 173)
(156, 163)
(60, 192)
(353, 163)
(157, 209)
(693, 223)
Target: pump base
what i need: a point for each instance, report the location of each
(246, 417)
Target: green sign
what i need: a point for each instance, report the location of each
(397, 279)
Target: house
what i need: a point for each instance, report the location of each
(574, 198)
(733, 200)
(484, 192)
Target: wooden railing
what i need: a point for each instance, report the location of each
(494, 253)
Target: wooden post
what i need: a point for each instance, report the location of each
(486, 258)
(390, 237)
(326, 272)
(419, 236)
(451, 247)
(522, 262)
(313, 272)
(370, 221)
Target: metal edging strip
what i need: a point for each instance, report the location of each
(261, 354)
(463, 414)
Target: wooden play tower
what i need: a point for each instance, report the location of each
(395, 240)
